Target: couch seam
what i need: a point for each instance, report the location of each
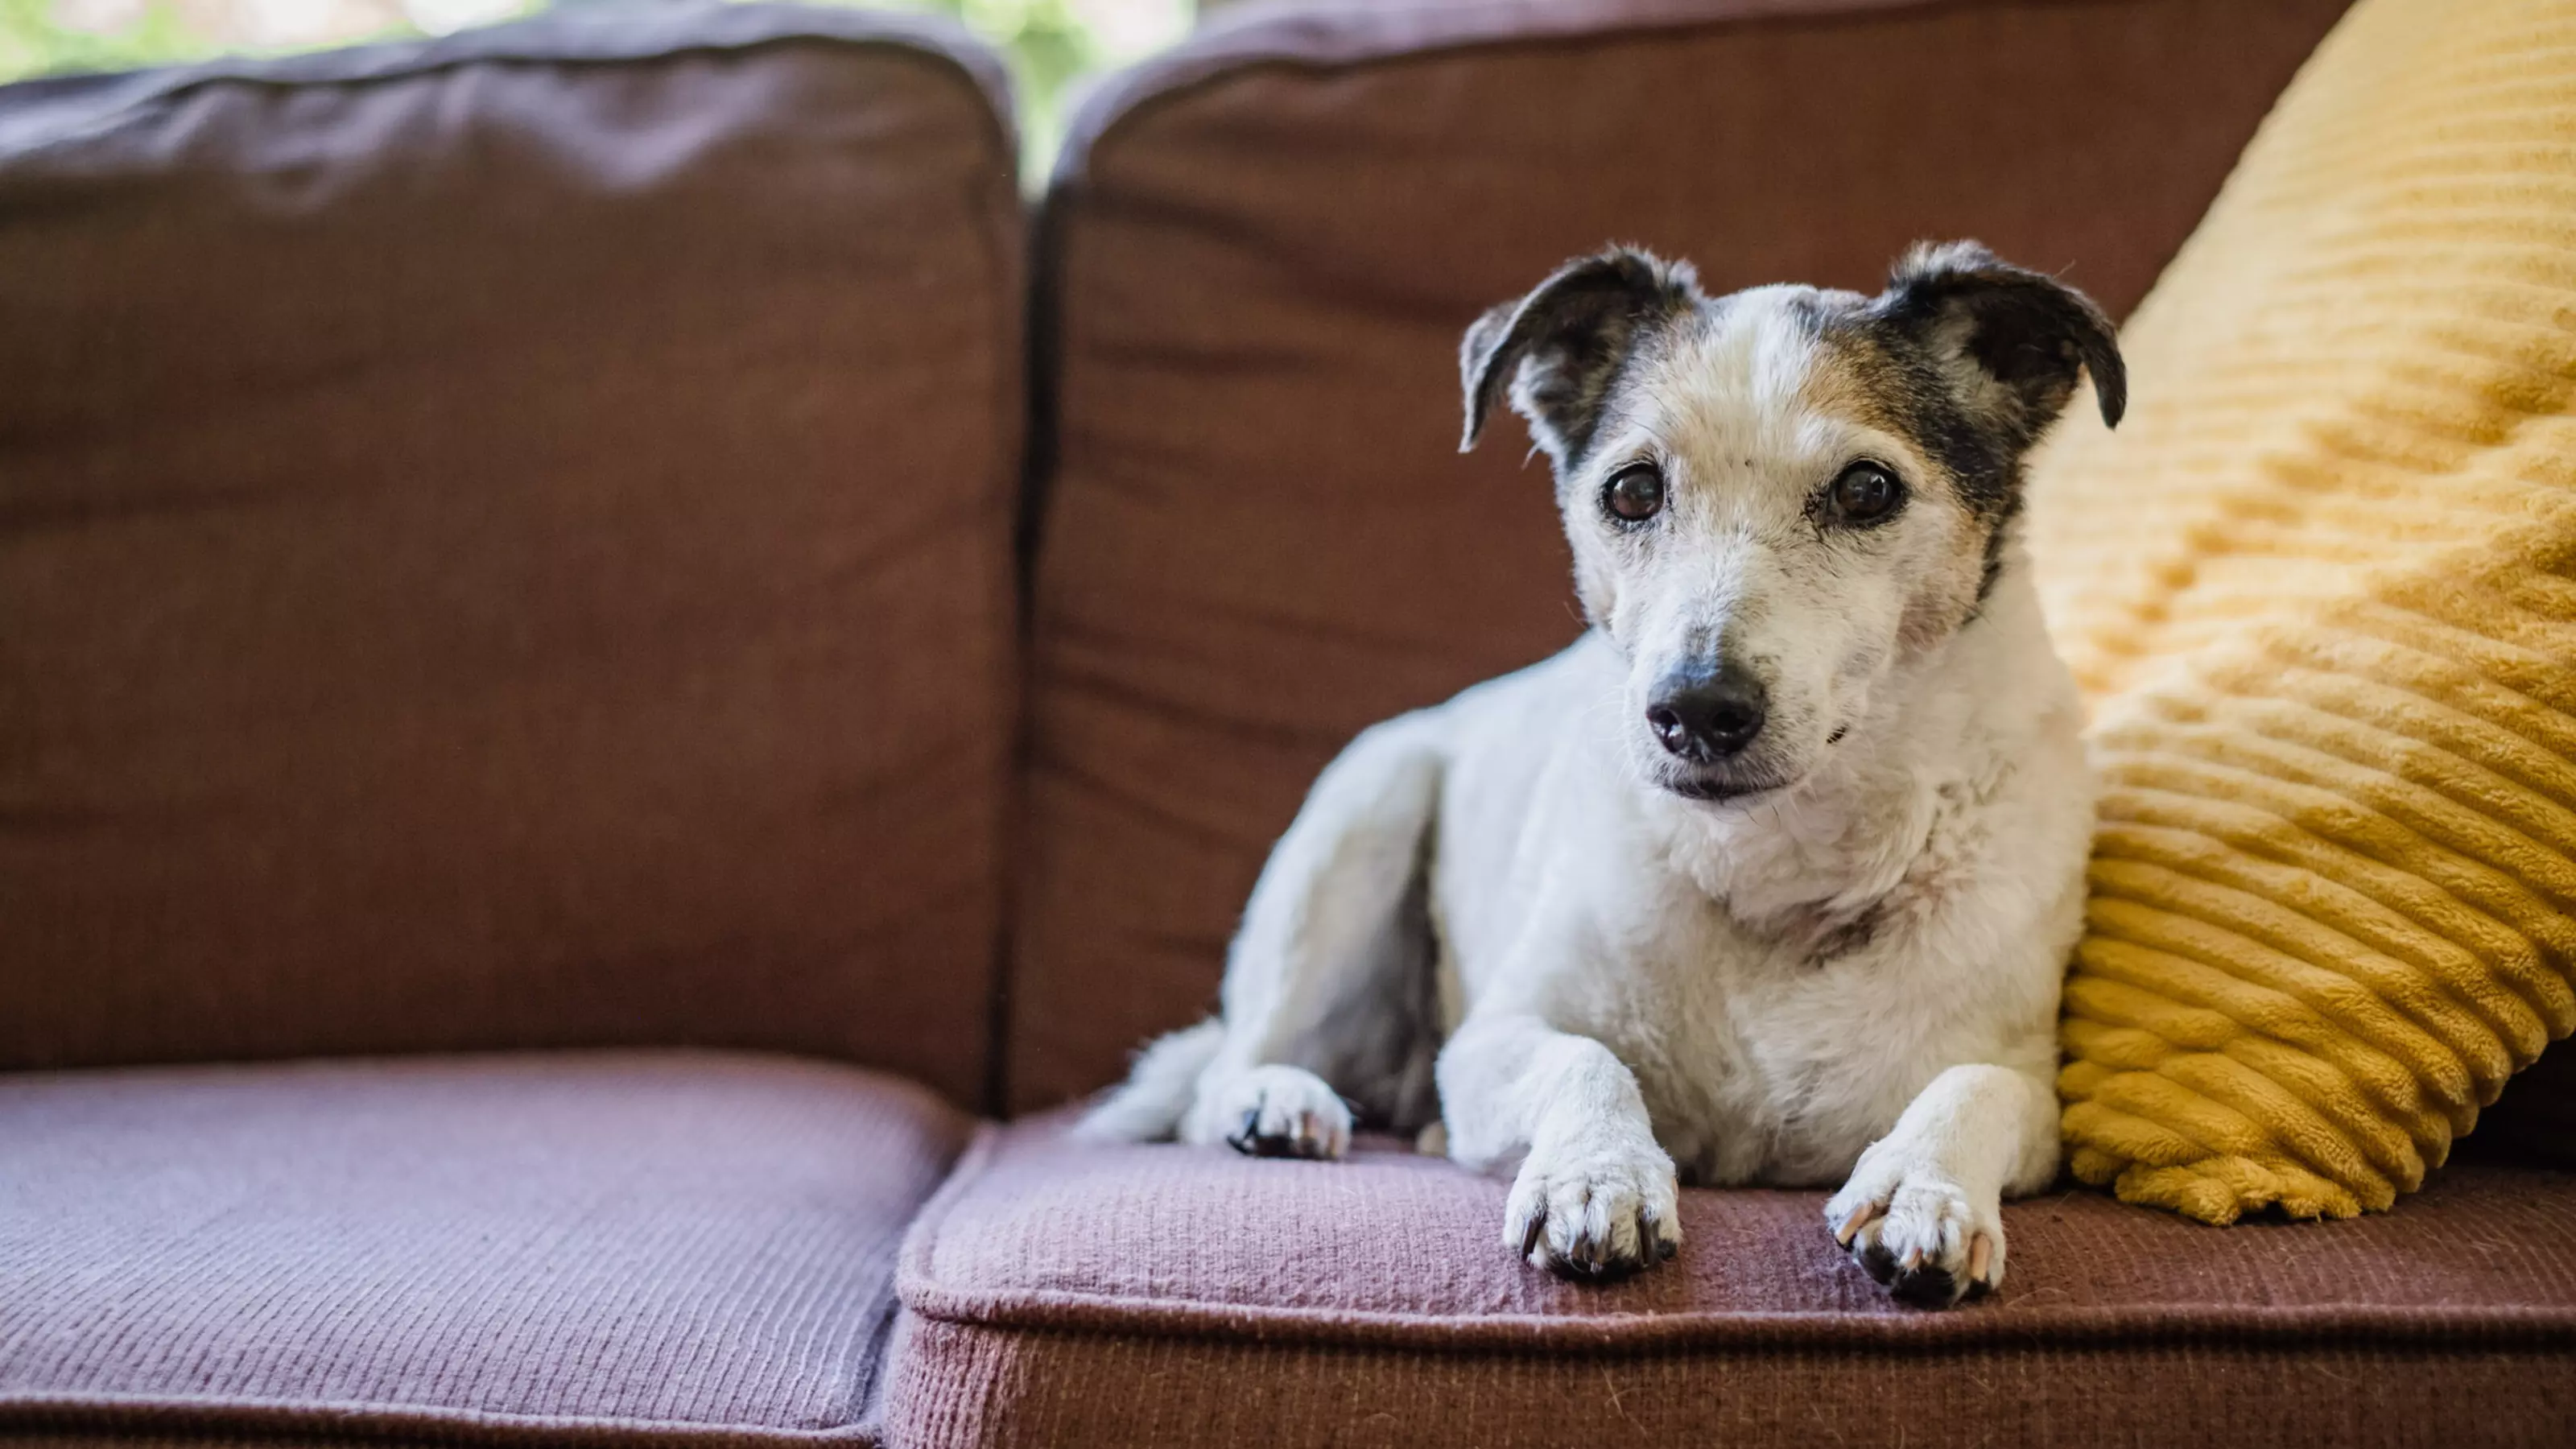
(912, 1258)
(1167, 1318)
(1019, 486)
(867, 1417)
(2106, 1328)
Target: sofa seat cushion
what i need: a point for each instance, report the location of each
(1371, 1301)
(659, 1244)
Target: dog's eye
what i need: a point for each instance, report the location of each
(1864, 493)
(1635, 493)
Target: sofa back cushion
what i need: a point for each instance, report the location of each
(1259, 535)
(505, 542)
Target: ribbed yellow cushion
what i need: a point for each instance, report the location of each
(2320, 589)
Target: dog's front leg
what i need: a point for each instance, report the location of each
(1923, 1211)
(1595, 1196)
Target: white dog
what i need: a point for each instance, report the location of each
(1772, 877)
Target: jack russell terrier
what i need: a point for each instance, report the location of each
(1773, 875)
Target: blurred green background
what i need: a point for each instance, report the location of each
(1051, 43)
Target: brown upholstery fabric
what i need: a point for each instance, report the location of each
(1371, 1302)
(505, 542)
(1260, 536)
(957, 1385)
(655, 1243)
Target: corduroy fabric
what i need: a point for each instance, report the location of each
(2321, 587)
(506, 542)
(1067, 1293)
(657, 1244)
(1259, 537)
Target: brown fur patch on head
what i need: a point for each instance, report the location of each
(1969, 359)
(1847, 375)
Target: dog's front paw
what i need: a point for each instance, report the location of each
(1597, 1213)
(1913, 1228)
(1281, 1112)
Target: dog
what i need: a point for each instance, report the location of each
(1773, 875)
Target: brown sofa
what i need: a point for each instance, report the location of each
(586, 683)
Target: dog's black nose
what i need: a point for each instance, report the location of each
(1705, 715)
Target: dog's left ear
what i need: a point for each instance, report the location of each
(2012, 339)
(1557, 350)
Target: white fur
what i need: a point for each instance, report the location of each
(1854, 974)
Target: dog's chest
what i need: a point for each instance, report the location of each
(1778, 1057)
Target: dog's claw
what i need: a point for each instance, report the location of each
(1851, 1225)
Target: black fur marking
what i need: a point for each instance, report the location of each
(1913, 383)
(1578, 447)
(1998, 534)
(1877, 1262)
(2024, 329)
(1950, 308)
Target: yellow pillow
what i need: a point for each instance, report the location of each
(2320, 590)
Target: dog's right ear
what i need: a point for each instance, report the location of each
(1556, 350)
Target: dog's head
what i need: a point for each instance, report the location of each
(1777, 496)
